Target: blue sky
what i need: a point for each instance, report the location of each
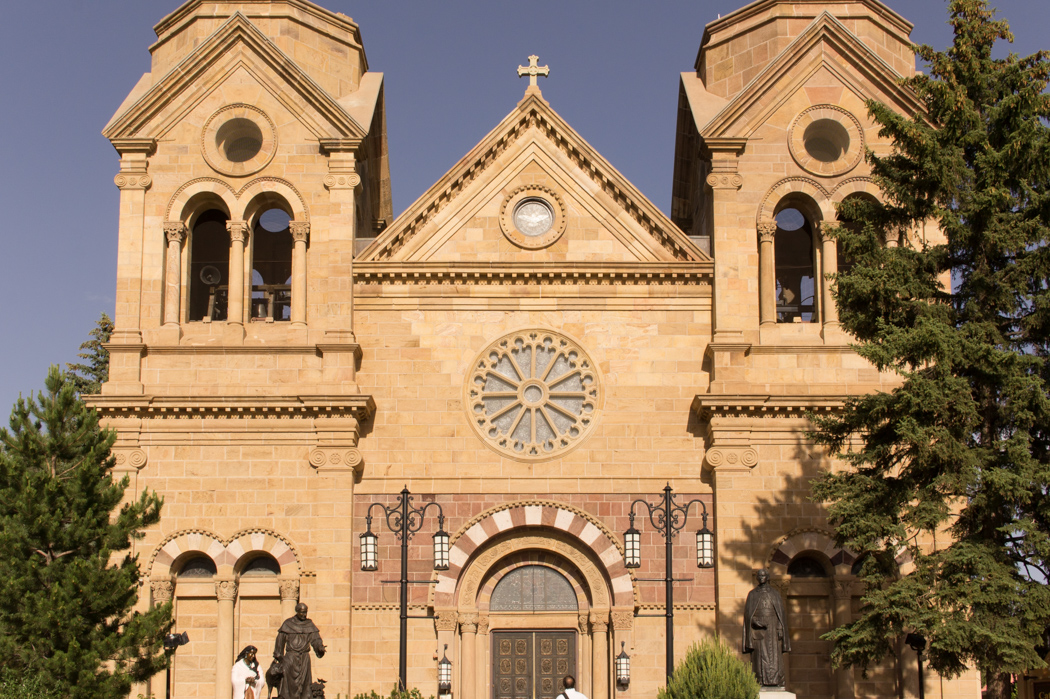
(66, 65)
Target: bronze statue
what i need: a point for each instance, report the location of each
(766, 632)
(294, 640)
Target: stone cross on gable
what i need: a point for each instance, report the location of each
(532, 70)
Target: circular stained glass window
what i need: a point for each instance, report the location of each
(533, 217)
(533, 395)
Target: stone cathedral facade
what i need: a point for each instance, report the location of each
(532, 346)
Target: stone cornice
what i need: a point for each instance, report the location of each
(708, 406)
(510, 273)
(359, 406)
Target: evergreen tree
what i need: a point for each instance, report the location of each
(88, 378)
(949, 473)
(69, 580)
(711, 670)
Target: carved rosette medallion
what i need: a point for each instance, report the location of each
(127, 459)
(337, 459)
(345, 180)
(533, 217)
(533, 395)
(723, 457)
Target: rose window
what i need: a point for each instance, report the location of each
(533, 395)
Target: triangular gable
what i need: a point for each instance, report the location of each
(826, 29)
(187, 74)
(534, 111)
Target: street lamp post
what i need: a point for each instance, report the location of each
(403, 521)
(918, 644)
(172, 641)
(669, 518)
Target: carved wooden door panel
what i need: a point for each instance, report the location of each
(531, 664)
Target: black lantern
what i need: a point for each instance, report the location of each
(441, 546)
(918, 644)
(632, 546)
(445, 673)
(369, 550)
(705, 546)
(172, 641)
(623, 667)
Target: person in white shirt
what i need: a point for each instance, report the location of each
(570, 689)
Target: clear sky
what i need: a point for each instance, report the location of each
(66, 65)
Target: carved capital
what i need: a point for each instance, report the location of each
(300, 231)
(347, 180)
(289, 589)
(842, 589)
(163, 590)
(226, 589)
(585, 623)
(468, 623)
(446, 620)
(175, 231)
(238, 231)
(599, 623)
(893, 237)
(729, 458)
(483, 624)
(767, 232)
(133, 180)
(623, 621)
(725, 180)
(780, 584)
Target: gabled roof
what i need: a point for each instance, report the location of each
(534, 111)
(825, 29)
(185, 76)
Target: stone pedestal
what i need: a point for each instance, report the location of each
(775, 693)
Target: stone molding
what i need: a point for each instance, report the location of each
(708, 406)
(175, 231)
(237, 200)
(530, 274)
(533, 191)
(541, 503)
(226, 590)
(361, 407)
(217, 160)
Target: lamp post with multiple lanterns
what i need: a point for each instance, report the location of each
(668, 517)
(403, 521)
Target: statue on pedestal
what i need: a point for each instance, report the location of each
(294, 640)
(765, 632)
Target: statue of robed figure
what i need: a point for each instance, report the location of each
(294, 640)
(766, 632)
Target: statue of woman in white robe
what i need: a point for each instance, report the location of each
(245, 675)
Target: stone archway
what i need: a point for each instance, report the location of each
(465, 621)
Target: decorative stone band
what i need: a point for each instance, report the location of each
(725, 180)
(300, 231)
(129, 459)
(163, 590)
(528, 273)
(133, 180)
(361, 407)
(708, 406)
(721, 457)
(174, 231)
(337, 459)
(226, 589)
(348, 180)
(623, 619)
(587, 529)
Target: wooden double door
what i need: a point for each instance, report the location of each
(531, 664)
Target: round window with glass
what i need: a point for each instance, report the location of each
(533, 217)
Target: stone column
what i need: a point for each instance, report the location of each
(831, 266)
(238, 237)
(600, 656)
(162, 591)
(174, 233)
(468, 629)
(842, 591)
(583, 679)
(300, 234)
(767, 279)
(482, 662)
(892, 238)
(289, 597)
(226, 591)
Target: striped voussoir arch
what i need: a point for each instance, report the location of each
(224, 552)
(582, 526)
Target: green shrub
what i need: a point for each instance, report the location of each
(711, 670)
(25, 687)
(394, 694)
